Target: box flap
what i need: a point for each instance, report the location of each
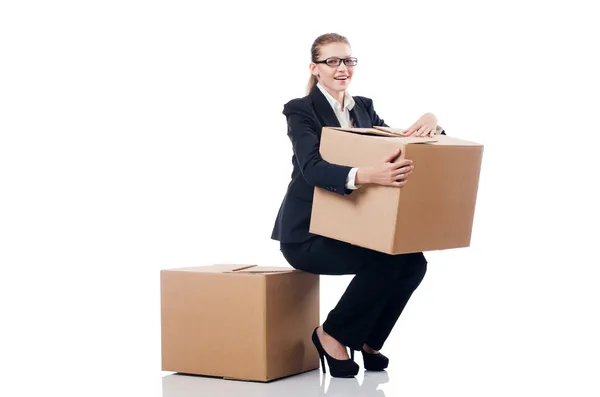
(218, 268)
(398, 132)
(366, 131)
(232, 268)
(266, 269)
(388, 132)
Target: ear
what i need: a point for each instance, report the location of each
(313, 68)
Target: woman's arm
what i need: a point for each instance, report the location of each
(305, 143)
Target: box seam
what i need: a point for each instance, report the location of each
(265, 327)
(392, 242)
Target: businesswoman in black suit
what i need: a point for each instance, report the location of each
(383, 284)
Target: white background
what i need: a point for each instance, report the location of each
(143, 135)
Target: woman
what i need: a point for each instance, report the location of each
(374, 299)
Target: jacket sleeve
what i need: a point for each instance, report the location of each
(302, 131)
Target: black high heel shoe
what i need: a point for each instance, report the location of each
(373, 362)
(338, 368)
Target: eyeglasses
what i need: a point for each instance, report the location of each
(338, 61)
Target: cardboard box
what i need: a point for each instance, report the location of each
(239, 322)
(433, 211)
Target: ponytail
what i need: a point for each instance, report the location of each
(312, 82)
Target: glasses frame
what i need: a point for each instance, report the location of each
(345, 60)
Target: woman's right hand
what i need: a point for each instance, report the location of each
(386, 173)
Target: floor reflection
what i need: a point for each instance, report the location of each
(308, 384)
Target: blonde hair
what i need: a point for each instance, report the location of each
(315, 52)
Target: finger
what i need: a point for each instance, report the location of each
(401, 163)
(421, 131)
(403, 176)
(399, 173)
(411, 130)
(402, 170)
(399, 184)
(398, 177)
(392, 156)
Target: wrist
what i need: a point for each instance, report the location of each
(362, 176)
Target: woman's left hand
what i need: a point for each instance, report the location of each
(426, 125)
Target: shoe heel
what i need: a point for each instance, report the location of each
(337, 368)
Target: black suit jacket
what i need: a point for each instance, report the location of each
(305, 118)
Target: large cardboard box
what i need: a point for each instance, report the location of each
(239, 322)
(433, 211)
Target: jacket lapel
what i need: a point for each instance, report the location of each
(360, 116)
(323, 109)
(327, 117)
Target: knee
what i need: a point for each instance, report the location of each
(399, 267)
(420, 270)
(414, 267)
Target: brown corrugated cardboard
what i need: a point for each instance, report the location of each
(433, 211)
(239, 321)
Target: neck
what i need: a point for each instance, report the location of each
(338, 96)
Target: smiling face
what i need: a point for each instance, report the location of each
(335, 79)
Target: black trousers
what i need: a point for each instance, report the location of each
(376, 296)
